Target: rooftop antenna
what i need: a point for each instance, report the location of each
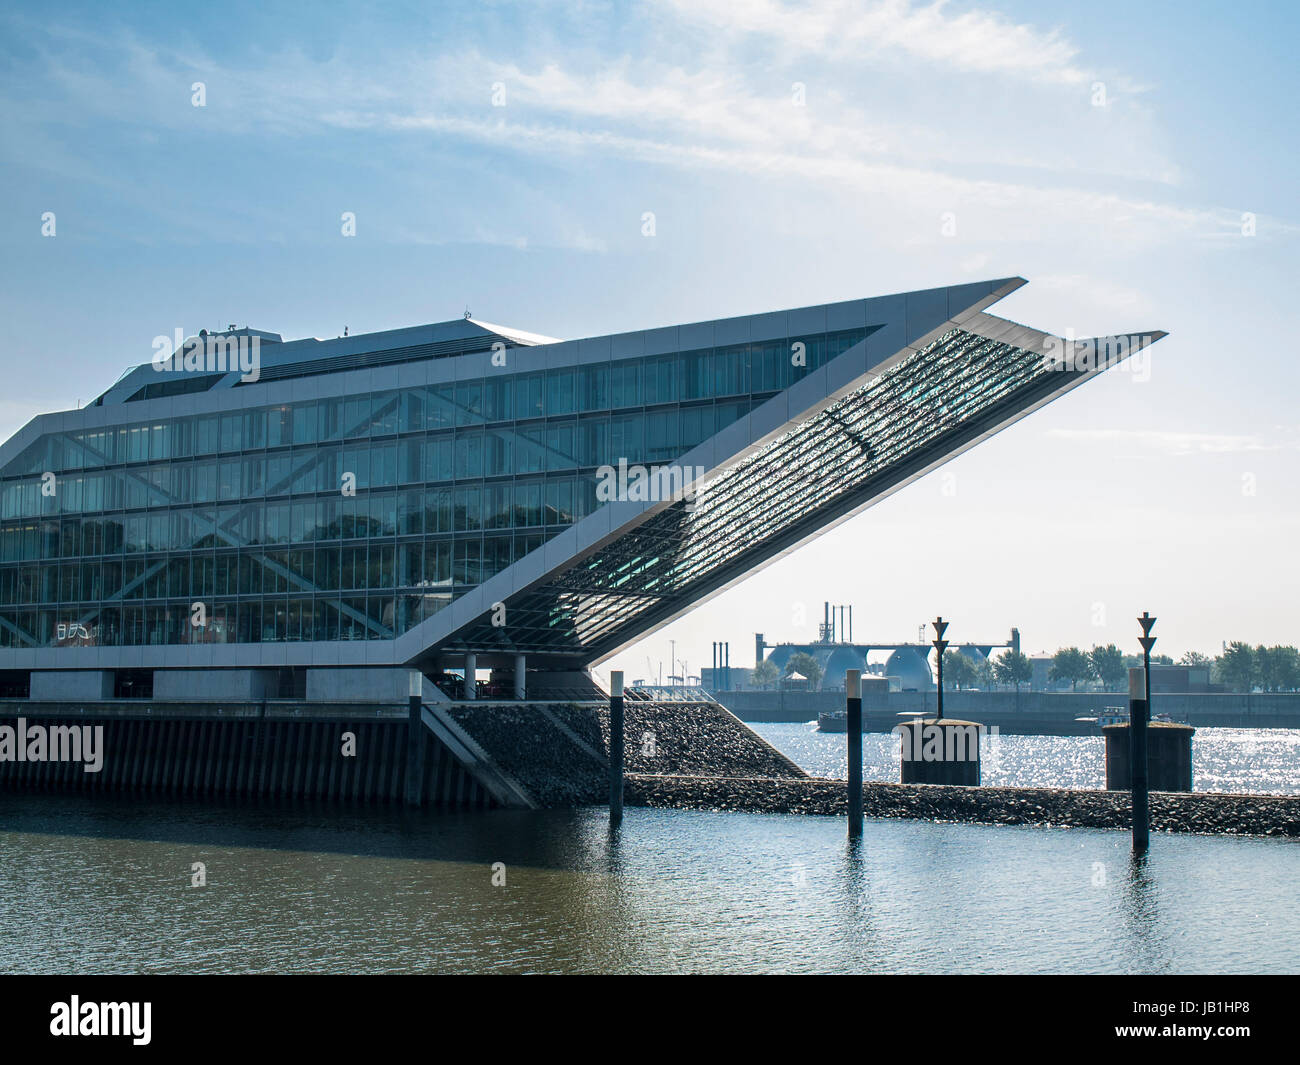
(467, 310)
(345, 330)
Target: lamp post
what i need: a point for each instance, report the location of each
(940, 645)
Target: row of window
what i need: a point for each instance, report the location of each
(442, 564)
(740, 370)
(463, 455)
(340, 617)
(463, 508)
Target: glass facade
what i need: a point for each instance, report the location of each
(922, 409)
(343, 518)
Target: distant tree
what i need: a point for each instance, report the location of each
(1288, 668)
(1195, 659)
(958, 670)
(1107, 666)
(764, 674)
(1013, 668)
(1135, 661)
(1277, 668)
(804, 663)
(1236, 667)
(983, 674)
(1069, 665)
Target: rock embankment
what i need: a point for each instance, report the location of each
(561, 753)
(528, 745)
(684, 739)
(1260, 815)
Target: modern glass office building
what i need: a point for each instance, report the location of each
(438, 497)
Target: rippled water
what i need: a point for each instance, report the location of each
(103, 886)
(1223, 759)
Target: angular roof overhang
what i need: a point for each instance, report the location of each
(934, 376)
(867, 424)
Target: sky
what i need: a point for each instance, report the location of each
(1136, 163)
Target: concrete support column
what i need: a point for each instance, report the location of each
(471, 667)
(521, 666)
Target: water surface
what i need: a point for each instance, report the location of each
(103, 886)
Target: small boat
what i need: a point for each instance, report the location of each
(1112, 715)
(1117, 715)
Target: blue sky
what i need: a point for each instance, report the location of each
(1176, 494)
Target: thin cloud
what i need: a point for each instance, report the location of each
(974, 41)
(1176, 443)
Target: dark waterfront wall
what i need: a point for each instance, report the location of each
(1033, 713)
(1261, 815)
(247, 751)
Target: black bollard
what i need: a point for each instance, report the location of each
(853, 689)
(616, 747)
(414, 784)
(1138, 775)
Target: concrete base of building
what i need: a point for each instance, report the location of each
(365, 684)
(71, 685)
(215, 685)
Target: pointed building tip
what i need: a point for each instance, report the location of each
(1006, 285)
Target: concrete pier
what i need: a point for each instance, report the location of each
(940, 752)
(1169, 756)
